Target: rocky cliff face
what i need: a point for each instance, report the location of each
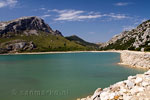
(136, 39)
(17, 45)
(27, 26)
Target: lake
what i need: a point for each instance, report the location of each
(63, 76)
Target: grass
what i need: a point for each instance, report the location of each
(45, 42)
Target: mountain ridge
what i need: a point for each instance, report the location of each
(135, 39)
(82, 42)
(32, 34)
(26, 25)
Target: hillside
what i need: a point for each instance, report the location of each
(136, 39)
(82, 42)
(32, 34)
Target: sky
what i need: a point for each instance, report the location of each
(92, 20)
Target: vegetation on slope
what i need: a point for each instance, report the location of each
(78, 40)
(43, 42)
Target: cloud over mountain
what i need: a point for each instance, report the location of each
(9, 3)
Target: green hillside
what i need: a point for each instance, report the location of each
(78, 40)
(43, 42)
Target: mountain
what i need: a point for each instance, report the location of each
(82, 42)
(135, 39)
(25, 25)
(32, 34)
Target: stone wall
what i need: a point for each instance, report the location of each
(135, 59)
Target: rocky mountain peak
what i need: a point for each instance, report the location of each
(26, 25)
(135, 39)
(58, 32)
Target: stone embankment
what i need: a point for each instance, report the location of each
(135, 59)
(135, 87)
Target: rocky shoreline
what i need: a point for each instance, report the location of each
(135, 87)
(135, 59)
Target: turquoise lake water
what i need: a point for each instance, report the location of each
(65, 76)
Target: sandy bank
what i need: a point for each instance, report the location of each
(28, 53)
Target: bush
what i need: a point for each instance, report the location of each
(147, 49)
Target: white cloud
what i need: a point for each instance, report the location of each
(121, 4)
(42, 8)
(91, 33)
(10, 3)
(45, 16)
(128, 28)
(80, 15)
(74, 15)
(89, 16)
(117, 16)
(2, 4)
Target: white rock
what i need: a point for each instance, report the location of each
(140, 89)
(122, 90)
(129, 84)
(148, 72)
(138, 80)
(145, 83)
(96, 93)
(125, 97)
(134, 90)
(112, 95)
(104, 96)
(131, 77)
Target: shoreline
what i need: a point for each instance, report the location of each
(130, 66)
(57, 52)
(128, 89)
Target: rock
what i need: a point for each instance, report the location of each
(125, 97)
(145, 83)
(96, 93)
(130, 84)
(116, 97)
(131, 77)
(18, 45)
(130, 39)
(147, 73)
(135, 87)
(142, 49)
(112, 95)
(26, 25)
(104, 96)
(138, 80)
(58, 33)
(136, 59)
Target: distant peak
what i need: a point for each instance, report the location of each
(27, 25)
(74, 35)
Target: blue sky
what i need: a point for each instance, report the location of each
(92, 20)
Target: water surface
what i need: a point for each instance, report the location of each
(65, 76)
